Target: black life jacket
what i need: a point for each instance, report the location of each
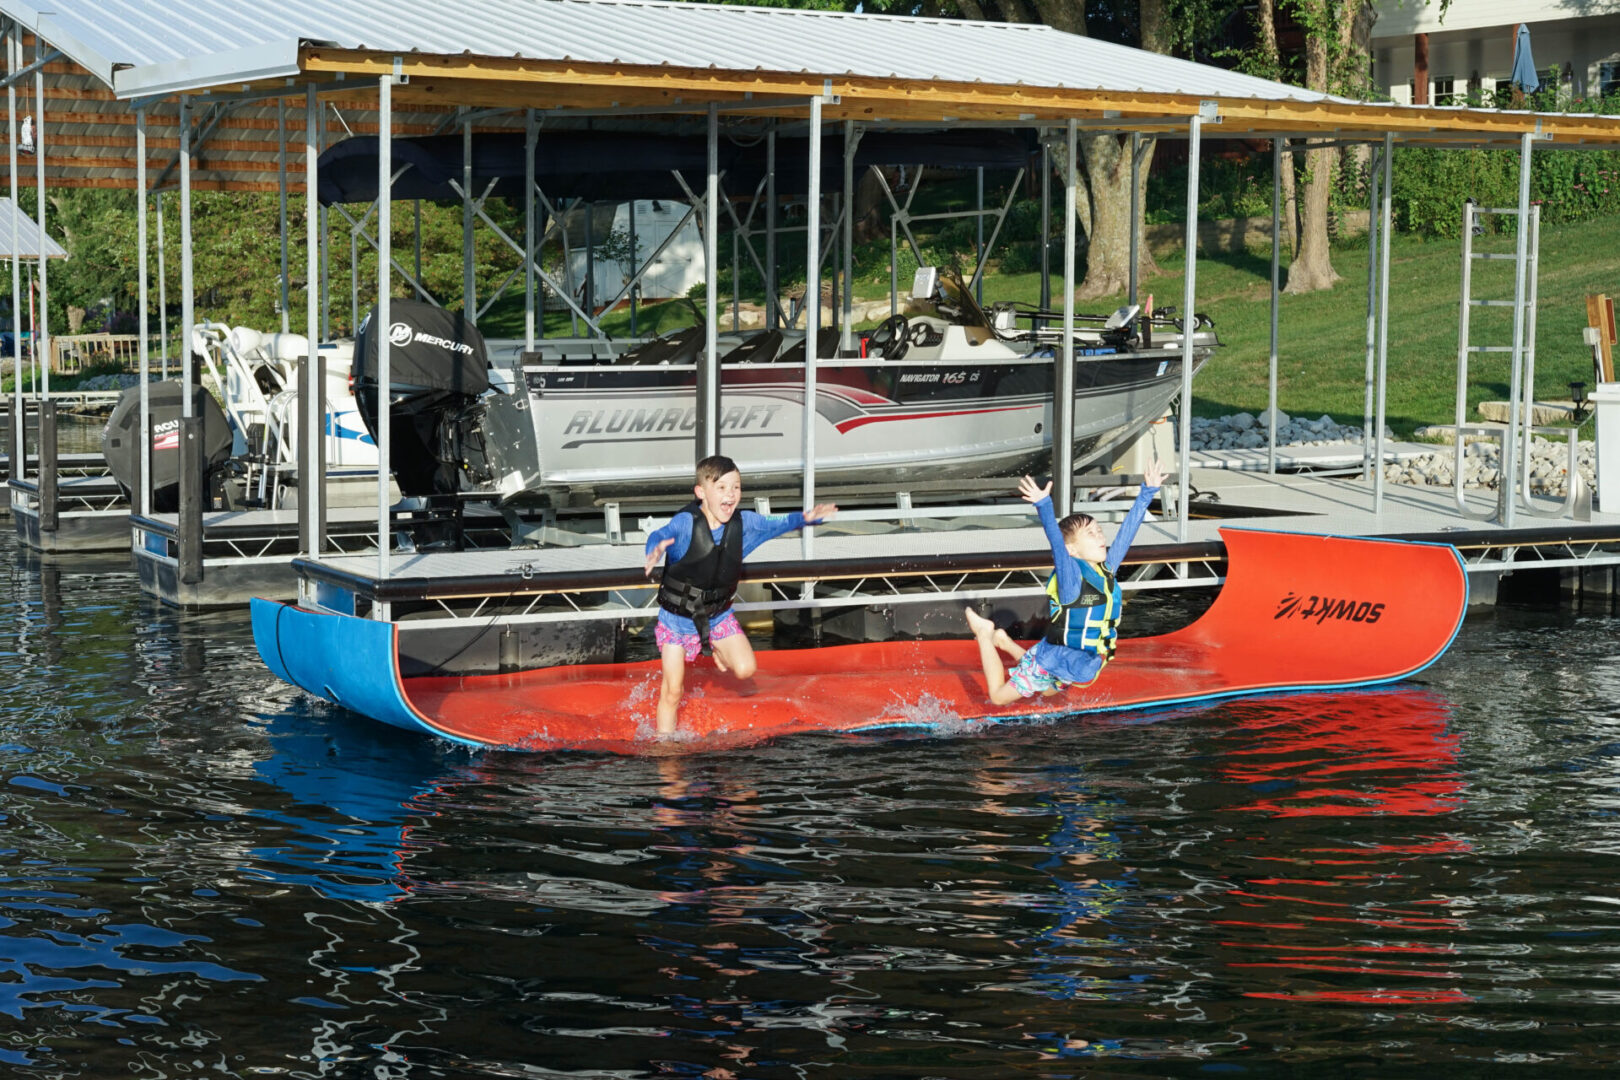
(703, 581)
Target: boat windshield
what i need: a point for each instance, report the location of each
(959, 301)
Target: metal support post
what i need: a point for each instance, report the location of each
(1136, 214)
(846, 324)
(1518, 393)
(469, 285)
(708, 388)
(531, 136)
(281, 189)
(19, 414)
(1063, 381)
(1189, 294)
(635, 286)
(191, 463)
(1383, 331)
(978, 222)
(42, 332)
(772, 297)
(1046, 226)
(1369, 379)
(163, 293)
(142, 500)
(383, 319)
(311, 457)
(812, 318)
(1276, 271)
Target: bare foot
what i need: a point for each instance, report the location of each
(981, 626)
(1006, 644)
(719, 661)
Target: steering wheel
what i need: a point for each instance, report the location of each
(889, 339)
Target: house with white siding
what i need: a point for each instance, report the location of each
(1423, 57)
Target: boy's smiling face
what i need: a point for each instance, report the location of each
(719, 497)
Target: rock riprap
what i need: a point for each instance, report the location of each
(1549, 459)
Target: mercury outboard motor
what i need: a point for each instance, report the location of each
(121, 443)
(438, 368)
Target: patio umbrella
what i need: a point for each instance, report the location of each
(1524, 68)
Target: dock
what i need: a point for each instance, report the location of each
(249, 553)
(500, 610)
(88, 513)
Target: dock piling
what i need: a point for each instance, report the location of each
(49, 513)
(190, 535)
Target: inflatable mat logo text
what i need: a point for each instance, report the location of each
(1322, 608)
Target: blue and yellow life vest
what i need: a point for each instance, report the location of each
(1090, 622)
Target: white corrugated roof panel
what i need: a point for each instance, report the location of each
(27, 235)
(160, 46)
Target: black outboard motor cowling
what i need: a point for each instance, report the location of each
(121, 443)
(438, 368)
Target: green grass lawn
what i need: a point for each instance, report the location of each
(1322, 336)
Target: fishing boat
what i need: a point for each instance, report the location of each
(942, 391)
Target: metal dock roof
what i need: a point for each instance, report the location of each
(649, 64)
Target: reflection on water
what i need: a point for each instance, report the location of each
(206, 872)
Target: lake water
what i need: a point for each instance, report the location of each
(207, 873)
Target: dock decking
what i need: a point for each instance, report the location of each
(475, 584)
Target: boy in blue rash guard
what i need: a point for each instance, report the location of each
(706, 543)
(1083, 596)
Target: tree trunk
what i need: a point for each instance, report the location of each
(1358, 74)
(1266, 28)
(1290, 200)
(1107, 162)
(1312, 268)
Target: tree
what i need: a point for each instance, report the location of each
(1107, 161)
(1335, 62)
(1266, 62)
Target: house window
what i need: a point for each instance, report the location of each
(1609, 77)
(1450, 91)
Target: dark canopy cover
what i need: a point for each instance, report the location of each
(616, 166)
(432, 348)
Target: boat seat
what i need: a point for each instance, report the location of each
(663, 350)
(760, 348)
(826, 349)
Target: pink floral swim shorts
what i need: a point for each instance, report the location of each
(1029, 678)
(723, 627)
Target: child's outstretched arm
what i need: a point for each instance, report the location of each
(1063, 564)
(757, 528)
(1031, 492)
(657, 553)
(678, 531)
(1152, 479)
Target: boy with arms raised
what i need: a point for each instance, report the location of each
(706, 543)
(1083, 597)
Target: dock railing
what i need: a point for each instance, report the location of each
(71, 353)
